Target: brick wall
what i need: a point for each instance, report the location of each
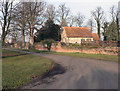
(91, 51)
(58, 48)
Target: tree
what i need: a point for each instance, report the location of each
(115, 12)
(5, 18)
(50, 12)
(35, 12)
(71, 21)
(105, 28)
(98, 16)
(90, 23)
(19, 21)
(112, 33)
(62, 13)
(49, 31)
(16, 35)
(47, 42)
(79, 19)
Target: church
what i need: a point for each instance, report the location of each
(78, 35)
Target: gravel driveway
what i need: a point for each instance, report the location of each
(80, 73)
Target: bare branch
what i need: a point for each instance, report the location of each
(62, 13)
(79, 19)
(98, 16)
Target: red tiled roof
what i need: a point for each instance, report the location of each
(95, 36)
(83, 32)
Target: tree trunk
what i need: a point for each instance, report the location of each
(3, 38)
(3, 41)
(31, 36)
(31, 40)
(117, 22)
(6, 19)
(98, 29)
(23, 39)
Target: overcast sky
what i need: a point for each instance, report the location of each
(86, 6)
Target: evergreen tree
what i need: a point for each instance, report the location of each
(49, 31)
(112, 33)
(105, 28)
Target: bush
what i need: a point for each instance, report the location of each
(63, 44)
(75, 45)
(31, 46)
(47, 43)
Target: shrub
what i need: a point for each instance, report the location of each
(63, 44)
(75, 45)
(47, 43)
(31, 46)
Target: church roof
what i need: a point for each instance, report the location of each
(95, 36)
(83, 32)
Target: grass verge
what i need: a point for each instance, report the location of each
(6, 53)
(104, 57)
(20, 70)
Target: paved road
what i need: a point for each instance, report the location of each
(81, 74)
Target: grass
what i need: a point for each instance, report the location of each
(91, 56)
(6, 53)
(35, 50)
(104, 57)
(20, 70)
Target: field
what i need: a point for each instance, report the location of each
(19, 68)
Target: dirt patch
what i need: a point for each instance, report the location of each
(55, 69)
(46, 78)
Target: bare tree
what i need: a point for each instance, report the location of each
(62, 13)
(113, 12)
(71, 20)
(50, 12)
(98, 16)
(5, 18)
(35, 17)
(90, 23)
(79, 19)
(19, 21)
(15, 35)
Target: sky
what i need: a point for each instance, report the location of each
(86, 6)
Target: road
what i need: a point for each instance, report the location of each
(81, 73)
